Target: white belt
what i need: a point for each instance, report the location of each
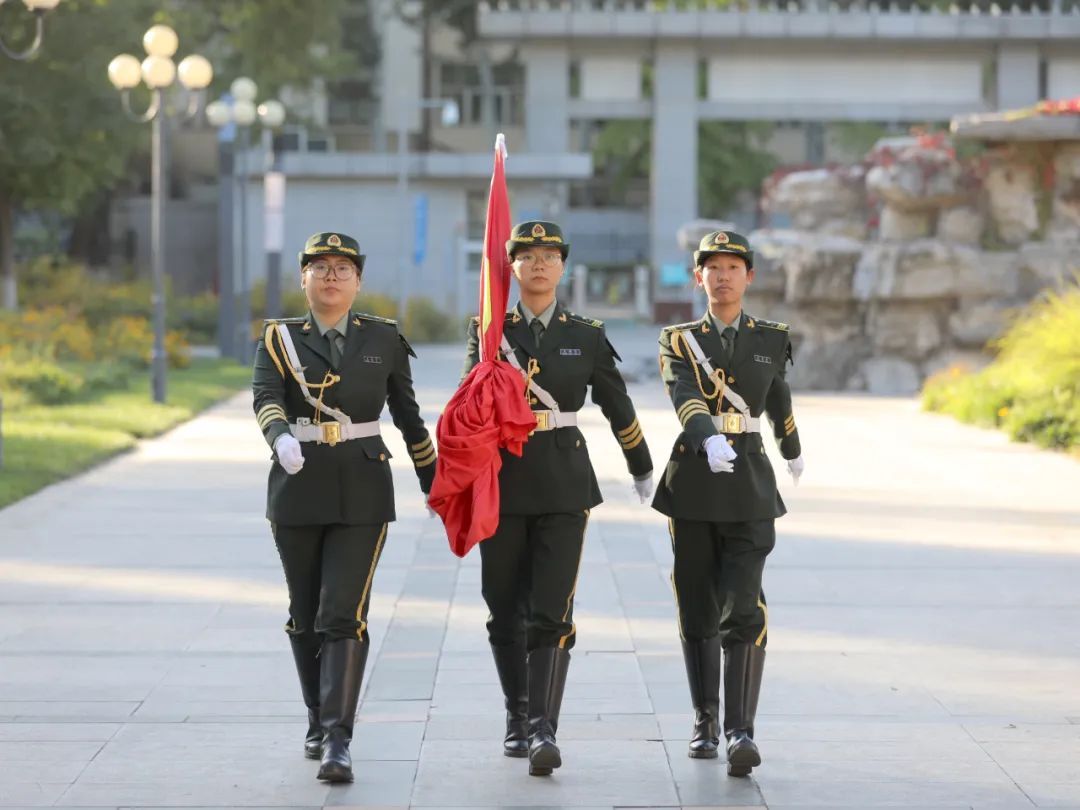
(332, 432)
(737, 423)
(549, 420)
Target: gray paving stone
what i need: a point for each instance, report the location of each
(13, 731)
(31, 794)
(383, 784)
(590, 776)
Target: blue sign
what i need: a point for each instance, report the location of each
(420, 215)
(673, 274)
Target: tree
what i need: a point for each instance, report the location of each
(731, 158)
(63, 136)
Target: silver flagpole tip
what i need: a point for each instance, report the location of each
(500, 145)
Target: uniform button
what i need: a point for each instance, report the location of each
(731, 379)
(731, 410)
(382, 456)
(577, 443)
(731, 442)
(682, 449)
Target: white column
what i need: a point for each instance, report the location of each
(673, 193)
(547, 96)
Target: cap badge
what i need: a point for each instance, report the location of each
(538, 231)
(333, 240)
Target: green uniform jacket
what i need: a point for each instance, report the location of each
(689, 489)
(348, 483)
(554, 473)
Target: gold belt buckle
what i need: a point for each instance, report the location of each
(733, 423)
(543, 420)
(331, 433)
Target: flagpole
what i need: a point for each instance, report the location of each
(485, 267)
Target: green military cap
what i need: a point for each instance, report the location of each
(724, 242)
(537, 234)
(331, 244)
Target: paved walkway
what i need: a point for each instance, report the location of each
(925, 633)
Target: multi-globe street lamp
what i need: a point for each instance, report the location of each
(39, 8)
(159, 72)
(238, 110)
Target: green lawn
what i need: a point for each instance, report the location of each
(44, 444)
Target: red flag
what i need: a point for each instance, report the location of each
(488, 412)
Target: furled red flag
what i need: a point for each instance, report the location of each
(488, 412)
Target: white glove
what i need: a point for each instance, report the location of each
(288, 453)
(720, 454)
(795, 467)
(643, 486)
(430, 512)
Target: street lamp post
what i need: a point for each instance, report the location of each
(39, 8)
(239, 110)
(159, 72)
(450, 118)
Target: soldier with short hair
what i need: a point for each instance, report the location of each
(722, 372)
(320, 384)
(530, 565)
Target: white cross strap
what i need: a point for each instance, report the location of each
(540, 393)
(730, 394)
(298, 375)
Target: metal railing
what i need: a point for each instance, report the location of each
(972, 7)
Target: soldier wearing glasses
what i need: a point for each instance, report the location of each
(530, 565)
(320, 383)
(722, 373)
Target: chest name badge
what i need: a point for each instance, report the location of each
(570, 352)
(762, 358)
(371, 358)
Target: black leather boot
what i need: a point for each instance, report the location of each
(743, 667)
(703, 660)
(547, 681)
(514, 679)
(305, 649)
(340, 675)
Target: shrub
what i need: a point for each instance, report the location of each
(1032, 389)
(196, 316)
(426, 323)
(41, 381)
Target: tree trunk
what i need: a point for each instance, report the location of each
(7, 254)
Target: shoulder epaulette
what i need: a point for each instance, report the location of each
(783, 327)
(582, 319)
(681, 326)
(375, 318)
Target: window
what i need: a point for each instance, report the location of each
(462, 83)
(351, 101)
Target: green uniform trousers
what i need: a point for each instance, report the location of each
(529, 571)
(329, 571)
(717, 579)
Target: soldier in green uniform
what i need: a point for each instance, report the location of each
(530, 565)
(320, 383)
(719, 492)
